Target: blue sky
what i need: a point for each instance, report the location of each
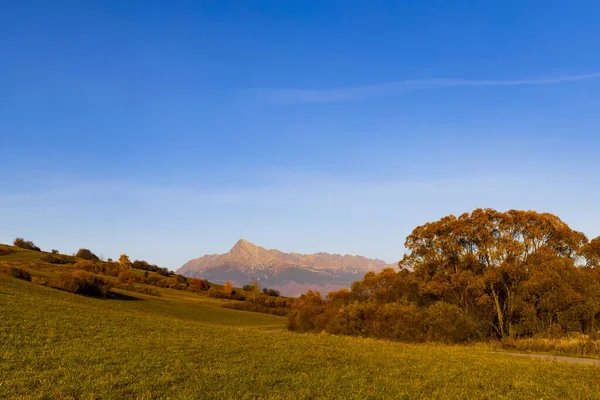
(168, 130)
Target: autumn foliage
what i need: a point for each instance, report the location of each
(25, 244)
(82, 282)
(485, 274)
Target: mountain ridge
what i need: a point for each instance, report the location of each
(246, 261)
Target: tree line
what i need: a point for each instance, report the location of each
(92, 276)
(482, 275)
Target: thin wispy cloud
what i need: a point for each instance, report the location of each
(294, 96)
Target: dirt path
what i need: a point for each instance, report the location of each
(570, 360)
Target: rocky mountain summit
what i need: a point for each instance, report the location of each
(291, 273)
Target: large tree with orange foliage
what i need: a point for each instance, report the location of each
(484, 256)
(483, 274)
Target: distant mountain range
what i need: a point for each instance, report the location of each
(291, 273)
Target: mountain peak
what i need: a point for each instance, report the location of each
(243, 245)
(245, 251)
(290, 272)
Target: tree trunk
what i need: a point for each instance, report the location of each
(498, 312)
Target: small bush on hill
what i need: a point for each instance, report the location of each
(198, 284)
(4, 251)
(219, 294)
(25, 244)
(55, 259)
(145, 266)
(88, 266)
(82, 282)
(19, 274)
(87, 255)
(111, 268)
(175, 285)
(54, 251)
(271, 292)
(127, 277)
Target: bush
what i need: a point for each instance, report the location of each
(87, 255)
(271, 292)
(25, 244)
(127, 277)
(218, 294)
(305, 312)
(582, 346)
(54, 259)
(4, 251)
(448, 323)
(145, 266)
(54, 251)
(202, 284)
(82, 282)
(88, 266)
(111, 268)
(19, 274)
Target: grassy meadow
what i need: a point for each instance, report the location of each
(55, 344)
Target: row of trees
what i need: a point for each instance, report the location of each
(252, 298)
(485, 274)
(87, 254)
(25, 244)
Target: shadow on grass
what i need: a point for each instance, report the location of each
(122, 297)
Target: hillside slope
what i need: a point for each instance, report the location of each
(182, 345)
(291, 273)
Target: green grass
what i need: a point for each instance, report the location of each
(55, 344)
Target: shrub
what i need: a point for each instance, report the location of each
(54, 259)
(448, 323)
(161, 283)
(582, 346)
(4, 251)
(54, 251)
(305, 311)
(87, 255)
(25, 244)
(127, 277)
(19, 274)
(144, 265)
(88, 266)
(82, 282)
(111, 268)
(233, 295)
(271, 292)
(200, 283)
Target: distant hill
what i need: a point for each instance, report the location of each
(291, 273)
